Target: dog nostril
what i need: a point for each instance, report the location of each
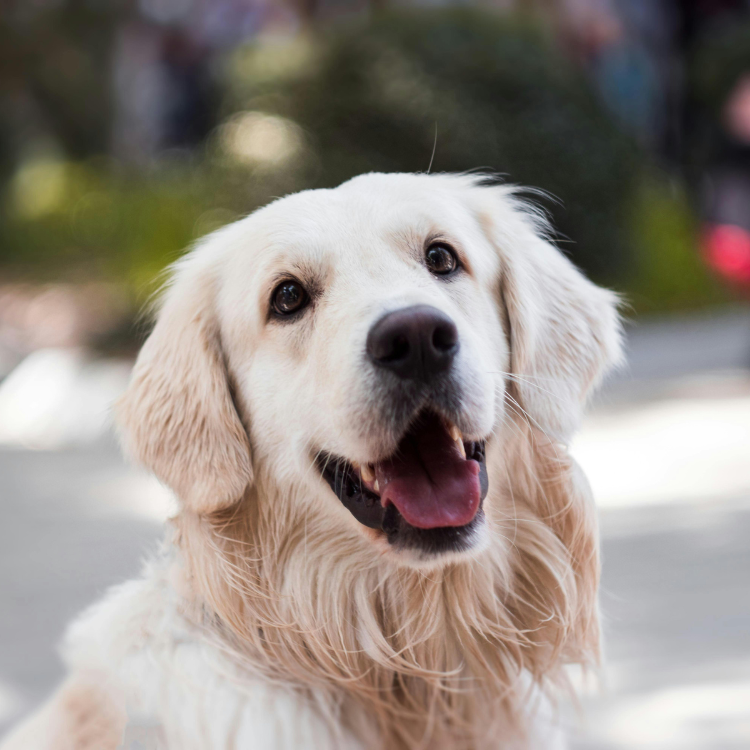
(414, 343)
(399, 349)
(444, 338)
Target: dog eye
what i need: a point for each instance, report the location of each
(289, 297)
(441, 259)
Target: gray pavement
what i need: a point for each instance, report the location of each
(58, 553)
(676, 580)
(665, 350)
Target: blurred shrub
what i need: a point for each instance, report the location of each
(55, 73)
(314, 110)
(496, 90)
(98, 218)
(93, 219)
(669, 273)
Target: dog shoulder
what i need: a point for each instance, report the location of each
(131, 617)
(84, 714)
(176, 685)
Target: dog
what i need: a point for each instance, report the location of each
(362, 398)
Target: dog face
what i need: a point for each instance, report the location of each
(369, 345)
(363, 345)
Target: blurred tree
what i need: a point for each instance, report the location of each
(483, 90)
(494, 89)
(55, 74)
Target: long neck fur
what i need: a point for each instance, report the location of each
(401, 657)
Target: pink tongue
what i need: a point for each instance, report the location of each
(428, 480)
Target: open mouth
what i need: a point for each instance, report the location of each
(427, 494)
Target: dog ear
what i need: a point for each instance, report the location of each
(564, 331)
(555, 553)
(177, 416)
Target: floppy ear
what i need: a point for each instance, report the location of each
(177, 416)
(564, 335)
(564, 331)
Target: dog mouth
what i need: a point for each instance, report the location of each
(427, 494)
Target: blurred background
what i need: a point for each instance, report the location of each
(130, 128)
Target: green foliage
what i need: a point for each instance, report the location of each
(55, 73)
(88, 219)
(497, 92)
(314, 110)
(96, 218)
(669, 273)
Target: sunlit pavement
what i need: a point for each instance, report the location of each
(667, 450)
(672, 479)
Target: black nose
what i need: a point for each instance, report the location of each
(415, 343)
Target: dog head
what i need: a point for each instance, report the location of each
(362, 350)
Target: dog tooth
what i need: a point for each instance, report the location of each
(461, 448)
(367, 473)
(455, 433)
(376, 486)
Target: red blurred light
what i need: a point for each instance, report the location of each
(727, 249)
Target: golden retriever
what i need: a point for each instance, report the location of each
(362, 398)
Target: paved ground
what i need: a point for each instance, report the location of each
(668, 451)
(62, 543)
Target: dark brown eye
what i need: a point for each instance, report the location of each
(289, 297)
(441, 259)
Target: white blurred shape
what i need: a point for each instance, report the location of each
(682, 718)
(259, 138)
(132, 493)
(676, 450)
(58, 397)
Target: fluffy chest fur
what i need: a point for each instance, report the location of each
(232, 636)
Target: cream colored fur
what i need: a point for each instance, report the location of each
(273, 619)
